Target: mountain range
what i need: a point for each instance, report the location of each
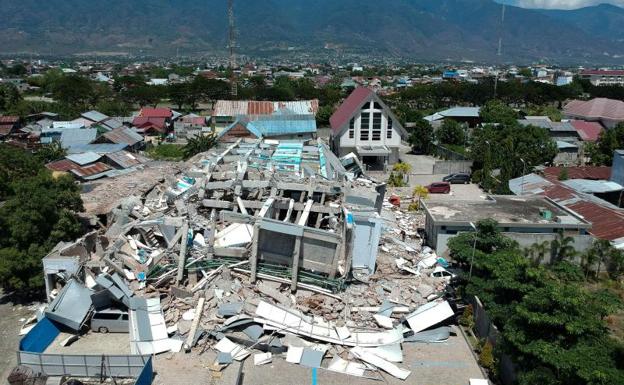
(415, 29)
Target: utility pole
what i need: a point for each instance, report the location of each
(502, 27)
(232, 46)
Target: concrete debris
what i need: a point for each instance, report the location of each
(253, 247)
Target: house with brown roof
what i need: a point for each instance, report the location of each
(608, 112)
(366, 126)
(8, 125)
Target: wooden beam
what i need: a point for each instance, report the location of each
(306, 213)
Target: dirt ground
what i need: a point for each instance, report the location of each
(12, 317)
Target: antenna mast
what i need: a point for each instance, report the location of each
(232, 46)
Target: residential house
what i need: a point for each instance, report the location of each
(587, 131)
(8, 125)
(153, 121)
(123, 135)
(563, 133)
(527, 220)
(470, 116)
(607, 219)
(365, 125)
(608, 112)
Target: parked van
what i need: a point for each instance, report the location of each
(110, 321)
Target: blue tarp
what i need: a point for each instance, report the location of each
(40, 337)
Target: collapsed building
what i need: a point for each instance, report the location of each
(209, 251)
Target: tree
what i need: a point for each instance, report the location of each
(609, 140)
(323, 115)
(38, 212)
(50, 152)
(495, 111)
(199, 144)
(421, 137)
(451, 133)
(73, 90)
(9, 97)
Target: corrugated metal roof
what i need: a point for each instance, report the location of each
(252, 107)
(461, 112)
(585, 172)
(112, 123)
(549, 125)
(9, 119)
(94, 116)
(84, 158)
(77, 136)
(91, 170)
(155, 113)
(101, 148)
(124, 159)
(564, 145)
(62, 165)
(289, 125)
(592, 186)
(123, 135)
(588, 131)
(603, 72)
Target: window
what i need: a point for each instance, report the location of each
(366, 106)
(377, 126)
(376, 106)
(389, 129)
(364, 126)
(352, 128)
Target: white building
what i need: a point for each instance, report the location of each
(364, 125)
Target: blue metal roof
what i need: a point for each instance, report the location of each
(283, 125)
(101, 148)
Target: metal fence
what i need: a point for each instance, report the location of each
(84, 365)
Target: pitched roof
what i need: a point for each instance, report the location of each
(100, 148)
(585, 172)
(84, 158)
(597, 108)
(349, 107)
(588, 131)
(9, 119)
(123, 135)
(62, 165)
(123, 159)
(155, 112)
(150, 122)
(286, 125)
(90, 171)
(252, 107)
(94, 116)
(607, 220)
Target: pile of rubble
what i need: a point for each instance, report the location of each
(264, 248)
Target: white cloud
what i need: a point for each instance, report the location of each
(560, 4)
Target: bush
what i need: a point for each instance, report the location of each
(467, 318)
(486, 357)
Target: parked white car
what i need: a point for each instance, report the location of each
(440, 272)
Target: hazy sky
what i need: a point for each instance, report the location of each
(560, 4)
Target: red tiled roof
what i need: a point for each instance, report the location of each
(587, 172)
(597, 108)
(603, 72)
(62, 165)
(588, 131)
(348, 108)
(155, 113)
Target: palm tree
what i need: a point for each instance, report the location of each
(198, 144)
(562, 248)
(538, 251)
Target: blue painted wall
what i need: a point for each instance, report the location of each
(40, 337)
(147, 375)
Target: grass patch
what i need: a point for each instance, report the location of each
(167, 151)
